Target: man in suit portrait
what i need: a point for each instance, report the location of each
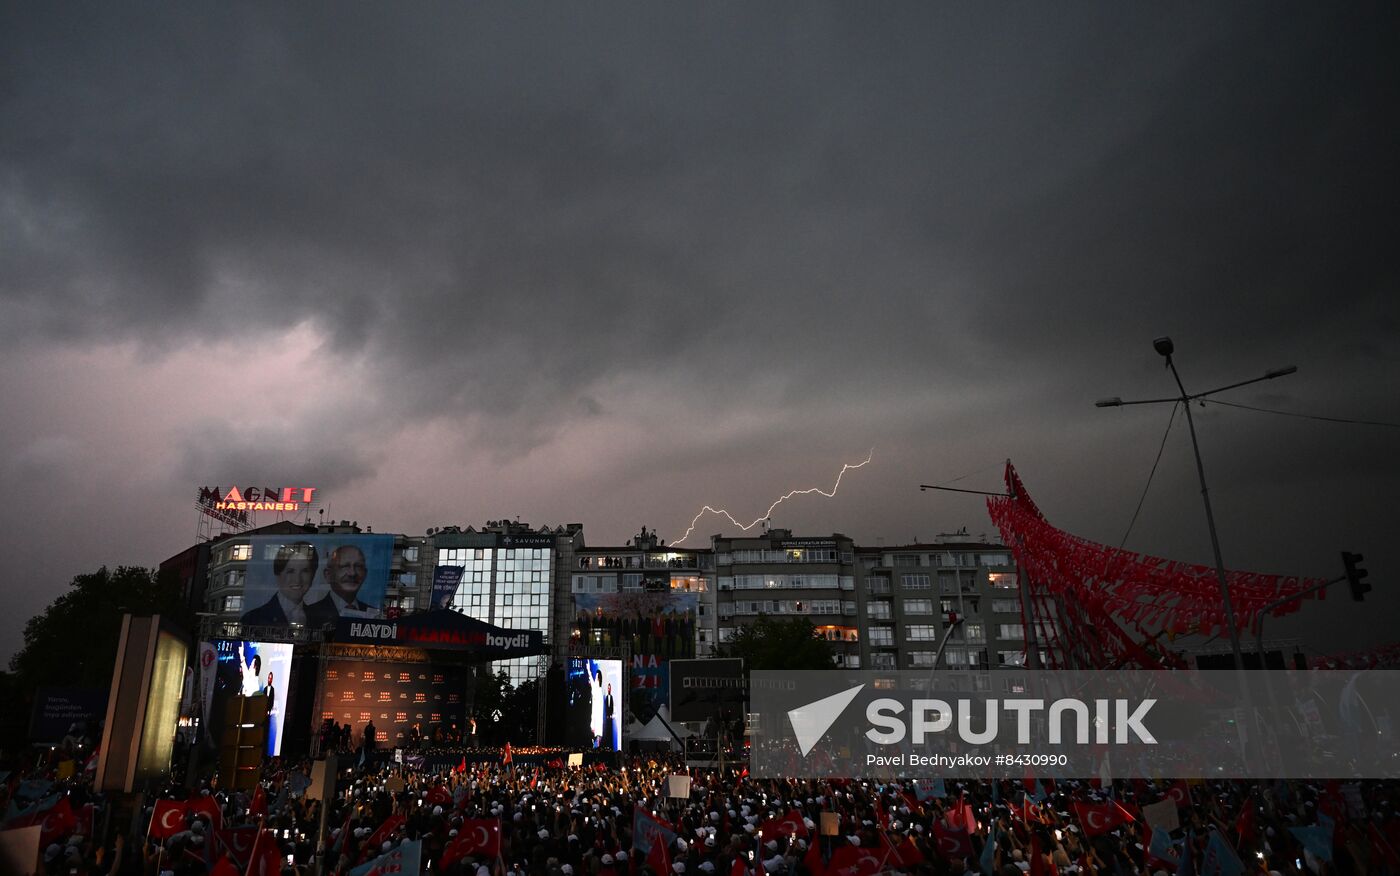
(294, 567)
(609, 740)
(345, 573)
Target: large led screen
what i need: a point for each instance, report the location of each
(657, 625)
(395, 696)
(594, 709)
(316, 580)
(256, 669)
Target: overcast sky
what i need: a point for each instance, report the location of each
(607, 264)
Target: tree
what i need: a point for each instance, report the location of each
(791, 643)
(74, 641)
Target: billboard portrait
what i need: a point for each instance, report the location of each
(256, 669)
(593, 713)
(316, 579)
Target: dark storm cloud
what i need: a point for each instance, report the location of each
(750, 237)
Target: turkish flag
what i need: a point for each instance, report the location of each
(1244, 825)
(258, 808)
(908, 853)
(855, 861)
(659, 859)
(952, 842)
(476, 836)
(207, 807)
(167, 819)
(376, 839)
(964, 817)
(58, 822)
(224, 867)
(739, 868)
(1100, 818)
(266, 859)
(1038, 867)
(438, 795)
(1180, 794)
(790, 824)
(813, 860)
(238, 842)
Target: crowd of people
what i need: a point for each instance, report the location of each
(508, 818)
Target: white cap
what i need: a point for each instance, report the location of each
(679, 866)
(622, 855)
(707, 866)
(607, 860)
(544, 834)
(567, 870)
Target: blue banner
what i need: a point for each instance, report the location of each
(445, 582)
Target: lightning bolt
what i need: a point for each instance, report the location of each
(818, 490)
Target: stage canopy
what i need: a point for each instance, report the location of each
(443, 630)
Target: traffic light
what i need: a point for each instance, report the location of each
(1356, 576)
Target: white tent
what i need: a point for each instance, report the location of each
(655, 731)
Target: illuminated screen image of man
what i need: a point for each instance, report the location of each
(345, 573)
(294, 567)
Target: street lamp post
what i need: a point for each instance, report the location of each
(1166, 348)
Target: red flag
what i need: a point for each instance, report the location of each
(535, 779)
(855, 861)
(1379, 842)
(1100, 818)
(1038, 867)
(477, 836)
(462, 767)
(258, 808)
(266, 858)
(438, 795)
(659, 859)
(167, 819)
(58, 822)
(209, 808)
(965, 818)
(1244, 825)
(909, 854)
(224, 867)
(790, 824)
(952, 842)
(813, 860)
(1180, 794)
(87, 819)
(384, 831)
(238, 842)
